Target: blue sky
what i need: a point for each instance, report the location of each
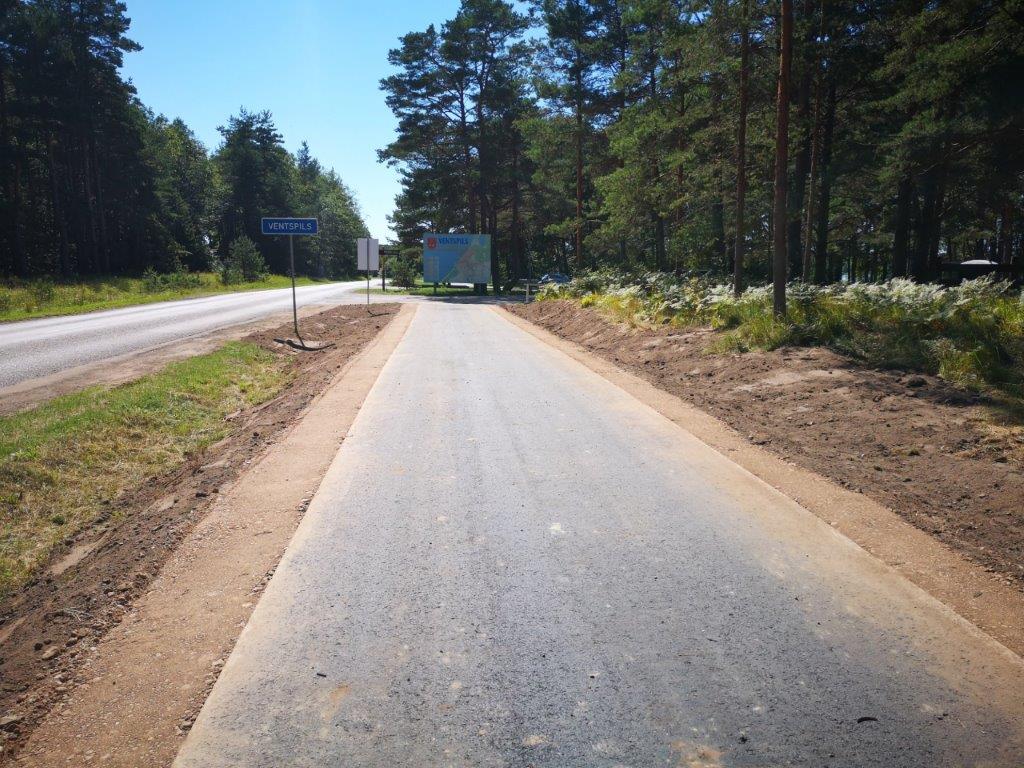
(315, 64)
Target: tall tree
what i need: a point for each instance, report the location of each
(255, 175)
(456, 96)
(741, 149)
(571, 60)
(779, 219)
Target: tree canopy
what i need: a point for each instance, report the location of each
(92, 182)
(585, 133)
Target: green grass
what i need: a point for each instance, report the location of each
(420, 289)
(45, 298)
(62, 464)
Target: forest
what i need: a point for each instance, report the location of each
(815, 140)
(94, 183)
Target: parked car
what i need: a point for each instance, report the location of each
(954, 273)
(554, 277)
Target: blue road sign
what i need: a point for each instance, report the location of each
(289, 226)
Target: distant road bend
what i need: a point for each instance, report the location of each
(34, 348)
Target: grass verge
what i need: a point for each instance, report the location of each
(45, 298)
(971, 335)
(420, 289)
(63, 464)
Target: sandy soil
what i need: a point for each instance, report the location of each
(946, 461)
(50, 632)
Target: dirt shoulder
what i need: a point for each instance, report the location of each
(938, 457)
(52, 632)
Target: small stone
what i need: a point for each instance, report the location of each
(50, 653)
(916, 381)
(8, 720)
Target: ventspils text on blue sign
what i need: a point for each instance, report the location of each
(289, 226)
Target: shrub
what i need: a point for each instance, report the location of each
(42, 291)
(403, 271)
(971, 335)
(6, 300)
(181, 279)
(151, 281)
(244, 263)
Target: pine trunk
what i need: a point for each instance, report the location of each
(812, 182)
(741, 153)
(100, 209)
(779, 256)
(516, 250)
(821, 274)
(64, 255)
(902, 228)
(1006, 252)
(797, 186)
(579, 172)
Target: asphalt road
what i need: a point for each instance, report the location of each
(34, 348)
(512, 562)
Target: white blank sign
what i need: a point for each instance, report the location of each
(368, 254)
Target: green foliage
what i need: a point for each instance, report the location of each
(611, 137)
(179, 280)
(183, 186)
(41, 291)
(405, 269)
(606, 135)
(18, 303)
(971, 335)
(93, 183)
(244, 263)
(457, 93)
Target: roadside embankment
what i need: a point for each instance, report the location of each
(101, 487)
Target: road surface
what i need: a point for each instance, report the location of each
(34, 348)
(512, 562)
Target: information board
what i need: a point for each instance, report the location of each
(456, 258)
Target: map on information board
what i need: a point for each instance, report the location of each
(456, 258)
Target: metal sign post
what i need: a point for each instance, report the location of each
(290, 227)
(291, 270)
(368, 258)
